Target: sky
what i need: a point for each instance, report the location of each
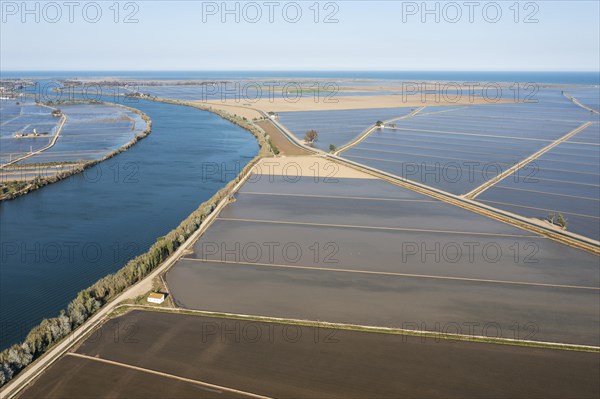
(301, 35)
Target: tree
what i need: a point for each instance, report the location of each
(311, 136)
(558, 219)
(379, 124)
(393, 125)
(332, 148)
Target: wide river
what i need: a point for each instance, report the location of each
(62, 238)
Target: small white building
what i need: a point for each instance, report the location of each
(156, 297)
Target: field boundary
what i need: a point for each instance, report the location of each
(167, 375)
(565, 237)
(372, 128)
(366, 328)
(393, 274)
(577, 102)
(488, 184)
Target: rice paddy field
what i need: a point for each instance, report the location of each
(91, 132)
(150, 354)
(23, 115)
(337, 127)
(459, 149)
(305, 249)
(566, 180)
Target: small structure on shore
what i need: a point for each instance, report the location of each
(34, 133)
(156, 297)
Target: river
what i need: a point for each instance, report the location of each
(62, 238)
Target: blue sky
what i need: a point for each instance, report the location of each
(387, 35)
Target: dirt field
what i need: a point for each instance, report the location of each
(284, 361)
(78, 378)
(234, 108)
(284, 146)
(309, 103)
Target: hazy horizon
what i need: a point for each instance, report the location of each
(332, 36)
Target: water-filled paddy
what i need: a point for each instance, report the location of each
(386, 213)
(559, 315)
(91, 132)
(458, 150)
(395, 255)
(589, 135)
(24, 117)
(337, 127)
(450, 175)
(566, 179)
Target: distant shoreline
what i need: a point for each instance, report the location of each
(541, 77)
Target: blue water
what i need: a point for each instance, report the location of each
(566, 77)
(62, 238)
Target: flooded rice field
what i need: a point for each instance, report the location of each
(337, 127)
(21, 116)
(91, 132)
(458, 150)
(566, 180)
(307, 249)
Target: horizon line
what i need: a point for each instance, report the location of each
(300, 70)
